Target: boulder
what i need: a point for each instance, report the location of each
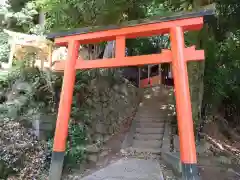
(203, 147)
(93, 158)
(93, 148)
(224, 160)
(99, 138)
(100, 128)
(176, 143)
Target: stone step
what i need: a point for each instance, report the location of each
(147, 144)
(151, 115)
(152, 110)
(150, 130)
(151, 120)
(145, 124)
(148, 136)
(153, 107)
(155, 100)
(146, 150)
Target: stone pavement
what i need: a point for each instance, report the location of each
(129, 169)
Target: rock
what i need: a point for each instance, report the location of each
(98, 138)
(173, 160)
(100, 128)
(106, 111)
(203, 147)
(43, 124)
(89, 102)
(224, 160)
(124, 90)
(13, 110)
(93, 148)
(176, 143)
(106, 138)
(166, 139)
(93, 158)
(18, 88)
(111, 130)
(104, 153)
(116, 87)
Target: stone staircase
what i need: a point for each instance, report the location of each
(148, 127)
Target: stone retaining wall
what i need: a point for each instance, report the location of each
(110, 106)
(113, 108)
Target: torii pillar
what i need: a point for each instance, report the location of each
(183, 106)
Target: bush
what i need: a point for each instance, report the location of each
(4, 47)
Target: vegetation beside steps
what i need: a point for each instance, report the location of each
(217, 155)
(102, 105)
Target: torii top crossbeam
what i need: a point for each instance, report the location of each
(178, 55)
(133, 29)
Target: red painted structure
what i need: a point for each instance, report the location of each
(179, 55)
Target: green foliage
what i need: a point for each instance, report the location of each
(22, 20)
(17, 5)
(19, 16)
(4, 47)
(228, 15)
(75, 152)
(222, 70)
(152, 45)
(37, 93)
(72, 14)
(80, 115)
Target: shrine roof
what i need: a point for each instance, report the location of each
(204, 12)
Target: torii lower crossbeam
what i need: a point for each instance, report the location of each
(178, 56)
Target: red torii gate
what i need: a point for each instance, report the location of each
(175, 25)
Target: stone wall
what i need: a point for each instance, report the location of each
(113, 107)
(110, 104)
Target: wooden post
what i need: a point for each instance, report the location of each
(159, 73)
(183, 106)
(42, 63)
(11, 54)
(139, 76)
(64, 111)
(149, 74)
(50, 49)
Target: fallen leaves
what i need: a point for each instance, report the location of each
(21, 151)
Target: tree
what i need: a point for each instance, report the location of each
(75, 14)
(17, 5)
(222, 77)
(19, 21)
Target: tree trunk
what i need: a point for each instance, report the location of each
(41, 19)
(196, 74)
